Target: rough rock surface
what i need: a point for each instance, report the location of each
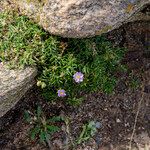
(13, 85)
(80, 18)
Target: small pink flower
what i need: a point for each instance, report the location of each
(78, 77)
(61, 93)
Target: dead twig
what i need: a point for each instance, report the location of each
(136, 118)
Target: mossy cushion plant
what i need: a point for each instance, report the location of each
(75, 66)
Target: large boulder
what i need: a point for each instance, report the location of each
(13, 85)
(80, 18)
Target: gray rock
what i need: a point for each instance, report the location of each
(98, 125)
(13, 85)
(81, 18)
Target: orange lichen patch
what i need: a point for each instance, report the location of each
(129, 8)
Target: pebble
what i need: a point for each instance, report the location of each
(98, 125)
(118, 120)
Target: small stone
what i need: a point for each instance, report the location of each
(127, 124)
(98, 125)
(118, 120)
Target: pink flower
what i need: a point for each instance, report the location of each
(61, 93)
(78, 77)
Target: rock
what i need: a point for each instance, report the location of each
(13, 85)
(118, 120)
(98, 125)
(81, 18)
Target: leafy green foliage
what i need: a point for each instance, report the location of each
(75, 101)
(88, 131)
(134, 81)
(25, 43)
(43, 128)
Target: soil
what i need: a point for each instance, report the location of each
(116, 113)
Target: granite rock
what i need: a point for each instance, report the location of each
(81, 18)
(13, 85)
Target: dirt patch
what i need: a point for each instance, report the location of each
(116, 113)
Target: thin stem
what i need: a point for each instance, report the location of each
(135, 122)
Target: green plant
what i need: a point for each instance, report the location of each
(75, 101)
(43, 128)
(24, 43)
(88, 131)
(134, 81)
